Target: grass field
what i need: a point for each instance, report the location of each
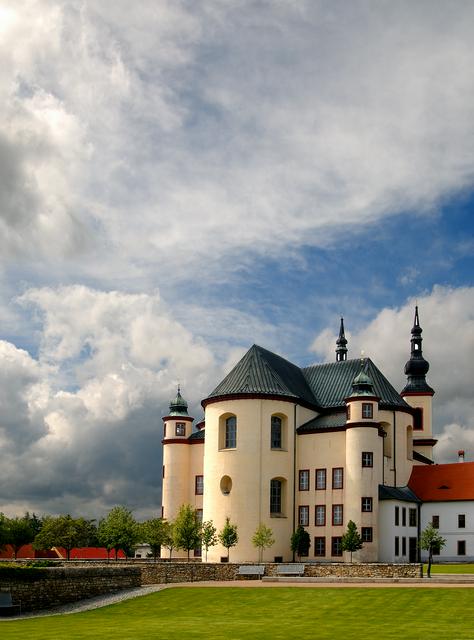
(449, 568)
(273, 613)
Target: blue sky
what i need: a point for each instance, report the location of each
(180, 180)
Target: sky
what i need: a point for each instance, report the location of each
(182, 179)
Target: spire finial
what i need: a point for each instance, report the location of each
(341, 342)
(417, 367)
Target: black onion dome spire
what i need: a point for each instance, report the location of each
(341, 342)
(417, 367)
(178, 406)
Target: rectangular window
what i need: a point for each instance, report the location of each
(417, 419)
(367, 459)
(180, 429)
(336, 546)
(397, 546)
(320, 478)
(404, 546)
(412, 519)
(320, 547)
(348, 411)
(461, 521)
(304, 480)
(367, 534)
(337, 478)
(436, 550)
(397, 516)
(435, 522)
(164, 430)
(199, 485)
(275, 496)
(231, 433)
(337, 514)
(366, 504)
(303, 515)
(320, 515)
(199, 515)
(198, 552)
(461, 547)
(404, 517)
(367, 410)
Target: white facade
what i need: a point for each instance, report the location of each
(456, 525)
(398, 531)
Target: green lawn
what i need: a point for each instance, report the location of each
(449, 568)
(274, 613)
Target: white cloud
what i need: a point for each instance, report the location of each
(156, 135)
(447, 319)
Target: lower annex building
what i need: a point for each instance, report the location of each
(317, 446)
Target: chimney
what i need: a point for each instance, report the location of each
(461, 455)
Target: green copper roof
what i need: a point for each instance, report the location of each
(324, 421)
(404, 494)
(322, 385)
(332, 382)
(178, 406)
(263, 372)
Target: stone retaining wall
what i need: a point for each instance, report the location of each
(51, 587)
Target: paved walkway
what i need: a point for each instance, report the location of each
(316, 583)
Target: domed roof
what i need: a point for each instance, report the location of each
(362, 384)
(178, 406)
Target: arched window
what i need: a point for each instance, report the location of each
(230, 433)
(276, 433)
(275, 496)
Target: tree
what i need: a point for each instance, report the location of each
(119, 530)
(300, 541)
(351, 540)
(153, 533)
(34, 522)
(208, 536)
(18, 532)
(64, 531)
(187, 529)
(2, 531)
(168, 536)
(262, 539)
(228, 536)
(431, 540)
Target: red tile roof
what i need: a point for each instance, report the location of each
(441, 482)
(26, 552)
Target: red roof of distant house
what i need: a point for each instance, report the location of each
(440, 482)
(89, 553)
(58, 553)
(26, 552)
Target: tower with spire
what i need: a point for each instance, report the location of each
(341, 344)
(179, 466)
(418, 393)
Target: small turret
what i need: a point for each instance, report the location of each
(417, 367)
(362, 384)
(341, 342)
(178, 406)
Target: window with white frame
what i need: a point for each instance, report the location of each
(337, 478)
(180, 429)
(367, 410)
(303, 484)
(320, 515)
(367, 458)
(320, 479)
(337, 514)
(366, 504)
(303, 515)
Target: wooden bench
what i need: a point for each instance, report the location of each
(7, 608)
(251, 570)
(290, 570)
